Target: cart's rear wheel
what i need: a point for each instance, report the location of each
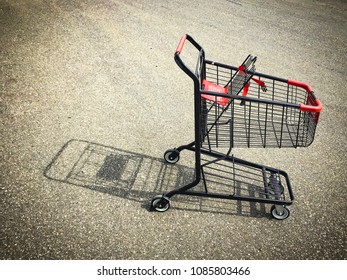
(160, 203)
(172, 156)
(280, 214)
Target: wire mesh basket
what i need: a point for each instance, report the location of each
(275, 117)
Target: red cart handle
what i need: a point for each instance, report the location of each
(179, 61)
(180, 44)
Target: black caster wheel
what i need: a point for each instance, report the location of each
(280, 213)
(172, 156)
(160, 203)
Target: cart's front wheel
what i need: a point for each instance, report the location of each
(160, 203)
(172, 156)
(280, 212)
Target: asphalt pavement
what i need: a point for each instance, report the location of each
(91, 98)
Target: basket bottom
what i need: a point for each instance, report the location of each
(231, 177)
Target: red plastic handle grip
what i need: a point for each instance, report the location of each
(180, 44)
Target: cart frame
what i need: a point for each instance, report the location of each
(274, 186)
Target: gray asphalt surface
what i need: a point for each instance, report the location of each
(91, 98)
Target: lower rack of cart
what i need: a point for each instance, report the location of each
(227, 177)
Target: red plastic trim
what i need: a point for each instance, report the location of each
(259, 82)
(317, 107)
(180, 44)
(309, 108)
(245, 89)
(300, 84)
(209, 86)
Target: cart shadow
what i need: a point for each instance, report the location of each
(135, 177)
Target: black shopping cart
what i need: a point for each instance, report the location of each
(239, 107)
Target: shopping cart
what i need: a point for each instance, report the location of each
(239, 107)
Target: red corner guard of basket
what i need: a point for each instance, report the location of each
(317, 106)
(209, 86)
